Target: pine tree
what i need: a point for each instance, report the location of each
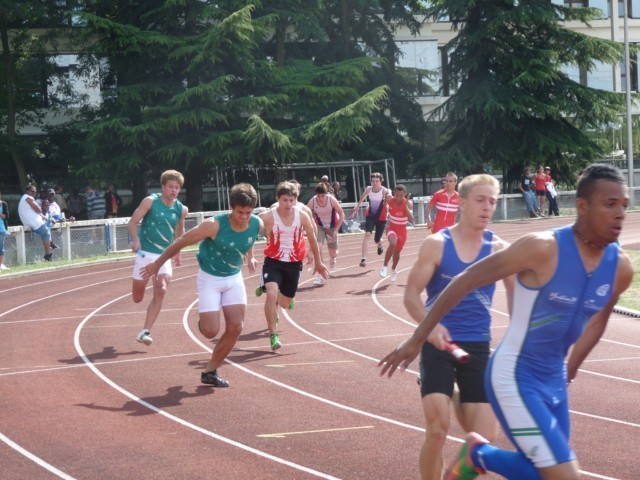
(514, 105)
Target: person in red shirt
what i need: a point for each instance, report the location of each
(400, 213)
(445, 202)
(540, 181)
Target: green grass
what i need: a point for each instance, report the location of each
(631, 298)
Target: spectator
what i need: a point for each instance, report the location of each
(42, 195)
(540, 180)
(112, 201)
(54, 209)
(551, 193)
(445, 202)
(75, 204)
(337, 191)
(31, 216)
(4, 225)
(325, 180)
(529, 198)
(96, 207)
(61, 201)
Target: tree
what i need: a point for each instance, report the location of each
(28, 73)
(514, 105)
(192, 86)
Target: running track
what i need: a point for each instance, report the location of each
(80, 398)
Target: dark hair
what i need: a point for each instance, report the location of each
(321, 188)
(593, 173)
(286, 188)
(243, 195)
(400, 188)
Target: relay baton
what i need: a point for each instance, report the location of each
(140, 252)
(457, 352)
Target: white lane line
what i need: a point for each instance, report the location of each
(308, 432)
(282, 365)
(37, 460)
(126, 393)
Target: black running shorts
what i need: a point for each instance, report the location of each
(439, 370)
(285, 274)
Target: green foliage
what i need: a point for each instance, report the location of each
(514, 105)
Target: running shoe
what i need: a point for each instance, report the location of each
(4, 267)
(145, 337)
(318, 280)
(463, 468)
(259, 291)
(292, 304)
(54, 246)
(363, 262)
(48, 256)
(212, 378)
(394, 276)
(380, 249)
(383, 272)
(275, 342)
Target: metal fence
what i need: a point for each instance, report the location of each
(101, 238)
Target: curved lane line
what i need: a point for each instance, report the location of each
(34, 459)
(126, 393)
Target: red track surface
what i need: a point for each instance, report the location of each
(80, 398)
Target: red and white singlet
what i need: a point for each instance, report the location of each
(286, 244)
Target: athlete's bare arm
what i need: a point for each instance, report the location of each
(364, 195)
(338, 208)
(408, 208)
(597, 323)
(307, 224)
(207, 229)
(523, 256)
(136, 218)
(177, 259)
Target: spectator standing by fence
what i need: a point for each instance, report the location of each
(95, 204)
(75, 204)
(112, 201)
(529, 197)
(551, 193)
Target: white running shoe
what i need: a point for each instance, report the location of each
(394, 276)
(4, 267)
(318, 280)
(383, 272)
(145, 337)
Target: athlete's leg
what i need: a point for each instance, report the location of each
(271, 305)
(160, 285)
(138, 288)
(393, 240)
(234, 321)
(436, 413)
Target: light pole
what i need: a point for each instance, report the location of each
(627, 81)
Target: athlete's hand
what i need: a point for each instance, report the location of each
(135, 246)
(252, 263)
(149, 270)
(401, 357)
(439, 337)
(177, 259)
(321, 269)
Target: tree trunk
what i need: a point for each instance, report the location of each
(11, 103)
(281, 33)
(139, 186)
(193, 177)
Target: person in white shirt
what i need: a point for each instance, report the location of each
(31, 216)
